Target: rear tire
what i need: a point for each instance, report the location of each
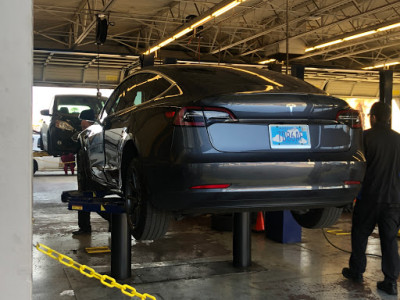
(318, 217)
(146, 222)
(35, 166)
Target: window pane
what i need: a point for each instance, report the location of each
(154, 87)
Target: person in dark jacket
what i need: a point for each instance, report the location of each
(378, 201)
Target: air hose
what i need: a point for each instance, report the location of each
(343, 250)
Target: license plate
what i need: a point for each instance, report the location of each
(289, 137)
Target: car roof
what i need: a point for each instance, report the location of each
(214, 80)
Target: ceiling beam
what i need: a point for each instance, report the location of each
(282, 26)
(327, 26)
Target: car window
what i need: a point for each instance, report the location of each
(171, 92)
(154, 86)
(75, 104)
(136, 90)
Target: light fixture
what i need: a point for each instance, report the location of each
(189, 28)
(353, 37)
(166, 42)
(389, 27)
(225, 8)
(356, 36)
(201, 22)
(182, 33)
(267, 61)
(328, 44)
(393, 63)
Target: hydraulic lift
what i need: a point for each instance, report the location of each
(120, 234)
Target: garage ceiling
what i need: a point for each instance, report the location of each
(65, 52)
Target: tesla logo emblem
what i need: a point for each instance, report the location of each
(291, 105)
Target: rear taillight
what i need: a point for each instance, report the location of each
(210, 186)
(352, 182)
(350, 117)
(202, 116)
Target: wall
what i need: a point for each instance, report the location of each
(16, 150)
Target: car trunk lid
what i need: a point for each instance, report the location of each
(276, 122)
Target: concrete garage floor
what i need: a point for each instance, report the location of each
(192, 261)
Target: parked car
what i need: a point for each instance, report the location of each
(59, 135)
(176, 140)
(42, 161)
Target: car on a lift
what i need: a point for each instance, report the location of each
(177, 140)
(60, 133)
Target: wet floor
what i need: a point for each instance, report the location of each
(193, 261)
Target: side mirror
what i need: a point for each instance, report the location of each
(87, 115)
(45, 112)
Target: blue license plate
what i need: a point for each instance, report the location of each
(289, 136)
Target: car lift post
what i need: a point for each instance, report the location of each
(120, 234)
(241, 240)
(120, 246)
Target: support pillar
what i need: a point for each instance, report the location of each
(170, 61)
(297, 71)
(146, 60)
(120, 247)
(386, 86)
(241, 240)
(275, 67)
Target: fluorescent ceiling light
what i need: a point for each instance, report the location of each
(352, 37)
(356, 36)
(382, 65)
(389, 27)
(182, 33)
(267, 61)
(201, 22)
(195, 25)
(166, 42)
(328, 44)
(151, 50)
(225, 8)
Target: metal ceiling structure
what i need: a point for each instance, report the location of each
(65, 52)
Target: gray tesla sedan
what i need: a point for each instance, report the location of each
(176, 140)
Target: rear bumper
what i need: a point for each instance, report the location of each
(267, 185)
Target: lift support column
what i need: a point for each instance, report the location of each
(120, 247)
(120, 234)
(241, 240)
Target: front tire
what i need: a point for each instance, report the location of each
(146, 222)
(318, 217)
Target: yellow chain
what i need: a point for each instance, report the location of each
(91, 273)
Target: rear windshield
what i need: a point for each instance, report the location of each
(225, 79)
(74, 104)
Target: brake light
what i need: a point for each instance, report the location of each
(190, 116)
(170, 114)
(349, 117)
(210, 186)
(351, 182)
(202, 116)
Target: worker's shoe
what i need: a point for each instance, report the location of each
(388, 287)
(81, 232)
(354, 276)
